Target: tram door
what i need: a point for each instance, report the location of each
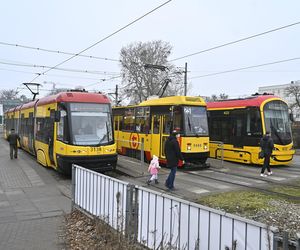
(51, 135)
(238, 131)
(161, 124)
(164, 132)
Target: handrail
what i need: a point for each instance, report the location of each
(221, 145)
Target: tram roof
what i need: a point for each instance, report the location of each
(253, 101)
(174, 100)
(74, 97)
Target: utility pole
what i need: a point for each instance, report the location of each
(117, 102)
(185, 79)
(116, 94)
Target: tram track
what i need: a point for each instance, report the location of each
(239, 183)
(267, 179)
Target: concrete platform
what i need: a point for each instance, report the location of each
(33, 201)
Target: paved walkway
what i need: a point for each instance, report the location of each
(33, 201)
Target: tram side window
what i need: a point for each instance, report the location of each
(156, 122)
(44, 129)
(129, 120)
(220, 127)
(142, 120)
(22, 125)
(167, 124)
(254, 127)
(177, 119)
(62, 127)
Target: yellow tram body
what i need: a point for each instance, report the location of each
(148, 125)
(236, 127)
(47, 129)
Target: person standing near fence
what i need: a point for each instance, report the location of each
(13, 139)
(173, 155)
(267, 146)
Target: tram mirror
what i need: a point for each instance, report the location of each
(57, 116)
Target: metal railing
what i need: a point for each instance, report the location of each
(220, 145)
(158, 220)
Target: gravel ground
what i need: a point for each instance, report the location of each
(285, 218)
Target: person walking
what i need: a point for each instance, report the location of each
(13, 139)
(153, 169)
(267, 146)
(173, 155)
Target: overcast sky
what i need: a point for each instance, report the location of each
(189, 26)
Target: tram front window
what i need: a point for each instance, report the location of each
(91, 124)
(195, 121)
(277, 121)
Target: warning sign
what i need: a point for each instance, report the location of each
(134, 139)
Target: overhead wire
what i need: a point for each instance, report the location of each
(248, 67)
(236, 41)
(58, 51)
(61, 69)
(103, 39)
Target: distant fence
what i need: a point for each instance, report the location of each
(158, 220)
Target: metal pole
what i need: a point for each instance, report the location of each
(222, 155)
(142, 152)
(285, 243)
(185, 79)
(73, 185)
(298, 242)
(117, 95)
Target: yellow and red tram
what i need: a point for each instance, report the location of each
(239, 124)
(151, 121)
(63, 129)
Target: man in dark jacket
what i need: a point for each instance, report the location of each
(267, 145)
(13, 143)
(173, 155)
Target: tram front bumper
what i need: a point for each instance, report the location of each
(97, 163)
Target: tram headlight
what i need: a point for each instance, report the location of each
(205, 146)
(189, 147)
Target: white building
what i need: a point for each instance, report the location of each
(280, 90)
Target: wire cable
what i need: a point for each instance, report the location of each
(249, 67)
(236, 41)
(103, 39)
(58, 52)
(61, 69)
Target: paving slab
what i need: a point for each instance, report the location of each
(32, 205)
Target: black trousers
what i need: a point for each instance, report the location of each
(13, 151)
(266, 164)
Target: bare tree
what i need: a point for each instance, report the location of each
(9, 94)
(293, 90)
(9, 98)
(214, 97)
(140, 82)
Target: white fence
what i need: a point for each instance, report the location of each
(158, 220)
(100, 195)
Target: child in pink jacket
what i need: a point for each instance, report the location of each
(153, 169)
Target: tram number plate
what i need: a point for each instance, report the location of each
(95, 149)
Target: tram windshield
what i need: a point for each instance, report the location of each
(195, 121)
(91, 123)
(277, 122)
